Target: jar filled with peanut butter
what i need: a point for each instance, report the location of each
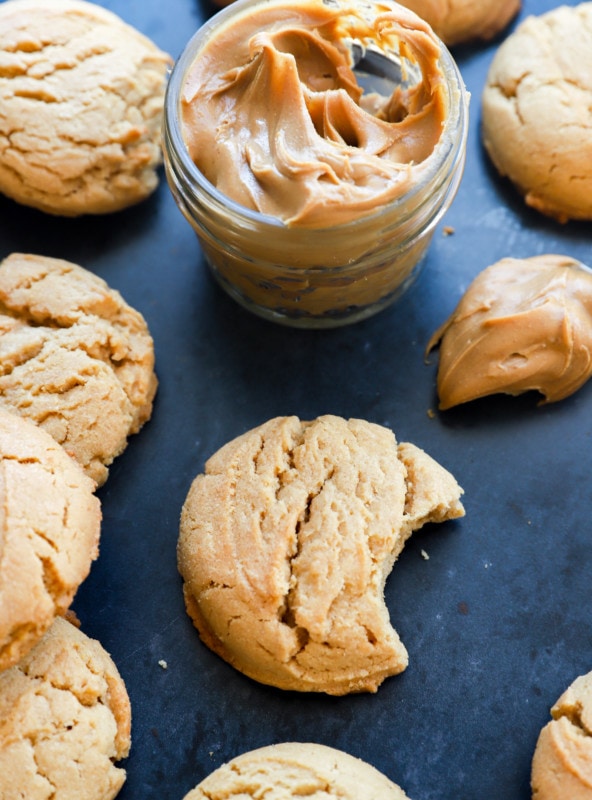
(314, 145)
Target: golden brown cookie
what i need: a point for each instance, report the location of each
(536, 105)
(74, 357)
(522, 325)
(64, 720)
(286, 543)
(294, 769)
(458, 21)
(562, 762)
(50, 524)
(82, 97)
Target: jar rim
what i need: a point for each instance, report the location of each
(449, 148)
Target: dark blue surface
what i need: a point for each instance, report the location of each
(497, 622)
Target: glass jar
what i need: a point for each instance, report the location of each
(314, 277)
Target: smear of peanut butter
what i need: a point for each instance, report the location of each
(523, 324)
(274, 116)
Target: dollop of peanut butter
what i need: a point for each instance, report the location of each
(522, 325)
(275, 116)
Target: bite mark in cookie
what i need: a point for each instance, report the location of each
(286, 543)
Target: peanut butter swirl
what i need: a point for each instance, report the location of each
(273, 113)
(522, 325)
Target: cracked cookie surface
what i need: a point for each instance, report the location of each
(50, 522)
(458, 21)
(536, 111)
(562, 761)
(294, 769)
(82, 95)
(65, 720)
(74, 357)
(287, 540)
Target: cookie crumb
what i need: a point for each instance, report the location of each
(425, 556)
(431, 413)
(448, 230)
(162, 663)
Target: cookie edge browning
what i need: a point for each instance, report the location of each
(463, 21)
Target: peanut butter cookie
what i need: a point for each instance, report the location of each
(64, 720)
(458, 21)
(74, 357)
(294, 769)
(286, 543)
(562, 762)
(50, 525)
(537, 125)
(82, 97)
(522, 325)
